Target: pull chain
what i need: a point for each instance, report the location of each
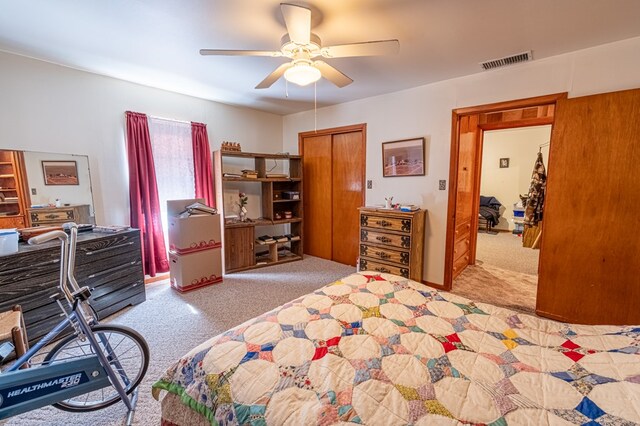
(286, 88)
(315, 107)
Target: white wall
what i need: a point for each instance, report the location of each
(520, 146)
(49, 108)
(67, 194)
(426, 111)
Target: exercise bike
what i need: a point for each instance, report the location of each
(93, 368)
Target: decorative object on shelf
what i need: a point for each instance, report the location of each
(230, 146)
(60, 172)
(243, 200)
(403, 158)
(504, 163)
(387, 202)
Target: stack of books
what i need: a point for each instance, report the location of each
(280, 238)
(277, 175)
(232, 175)
(197, 208)
(250, 174)
(265, 239)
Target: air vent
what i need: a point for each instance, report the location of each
(507, 60)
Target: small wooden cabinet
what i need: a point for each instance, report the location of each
(238, 251)
(55, 216)
(392, 241)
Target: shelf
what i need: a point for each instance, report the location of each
(242, 179)
(264, 265)
(286, 200)
(257, 155)
(9, 202)
(260, 222)
(7, 189)
(6, 163)
(7, 176)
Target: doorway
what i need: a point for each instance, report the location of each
(334, 162)
(469, 127)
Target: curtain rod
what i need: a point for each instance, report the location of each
(169, 119)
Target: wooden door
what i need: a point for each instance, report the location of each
(317, 165)
(590, 267)
(347, 190)
(334, 174)
(465, 202)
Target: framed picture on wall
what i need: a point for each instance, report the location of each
(60, 172)
(403, 158)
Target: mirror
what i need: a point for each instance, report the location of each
(44, 189)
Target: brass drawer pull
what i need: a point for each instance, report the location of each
(89, 253)
(382, 269)
(382, 255)
(51, 216)
(383, 239)
(383, 223)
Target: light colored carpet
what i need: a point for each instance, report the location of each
(173, 323)
(505, 251)
(489, 284)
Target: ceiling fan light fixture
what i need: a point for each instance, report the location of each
(302, 73)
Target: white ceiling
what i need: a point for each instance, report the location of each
(156, 42)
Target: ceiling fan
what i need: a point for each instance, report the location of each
(302, 46)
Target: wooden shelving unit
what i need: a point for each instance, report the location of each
(241, 250)
(13, 187)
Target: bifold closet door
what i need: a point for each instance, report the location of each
(316, 196)
(348, 181)
(590, 267)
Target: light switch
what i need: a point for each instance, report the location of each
(442, 185)
(34, 191)
(369, 184)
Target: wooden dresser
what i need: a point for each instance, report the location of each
(392, 241)
(109, 264)
(55, 216)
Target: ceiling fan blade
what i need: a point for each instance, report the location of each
(298, 22)
(274, 76)
(206, 52)
(332, 74)
(368, 48)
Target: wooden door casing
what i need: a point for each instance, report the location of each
(590, 268)
(317, 168)
(347, 190)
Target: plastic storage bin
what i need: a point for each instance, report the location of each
(8, 241)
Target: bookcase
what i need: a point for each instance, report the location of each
(241, 249)
(14, 201)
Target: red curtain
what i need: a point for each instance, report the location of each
(202, 167)
(143, 195)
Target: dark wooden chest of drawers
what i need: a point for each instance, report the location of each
(392, 241)
(109, 264)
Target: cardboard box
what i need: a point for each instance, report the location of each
(193, 233)
(195, 270)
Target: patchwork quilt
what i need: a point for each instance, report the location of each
(379, 349)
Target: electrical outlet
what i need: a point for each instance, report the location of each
(442, 185)
(34, 191)
(369, 184)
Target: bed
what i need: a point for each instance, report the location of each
(380, 349)
(489, 213)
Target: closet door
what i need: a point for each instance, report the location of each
(348, 180)
(590, 267)
(317, 193)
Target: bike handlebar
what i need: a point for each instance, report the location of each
(51, 235)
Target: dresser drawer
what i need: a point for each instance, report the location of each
(65, 215)
(460, 248)
(126, 246)
(386, 223)
(460, 264)
(462, 229)
(385, 254)
(379, 237)
(372, 265)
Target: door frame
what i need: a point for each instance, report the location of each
(500, 122)
(361, 127)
